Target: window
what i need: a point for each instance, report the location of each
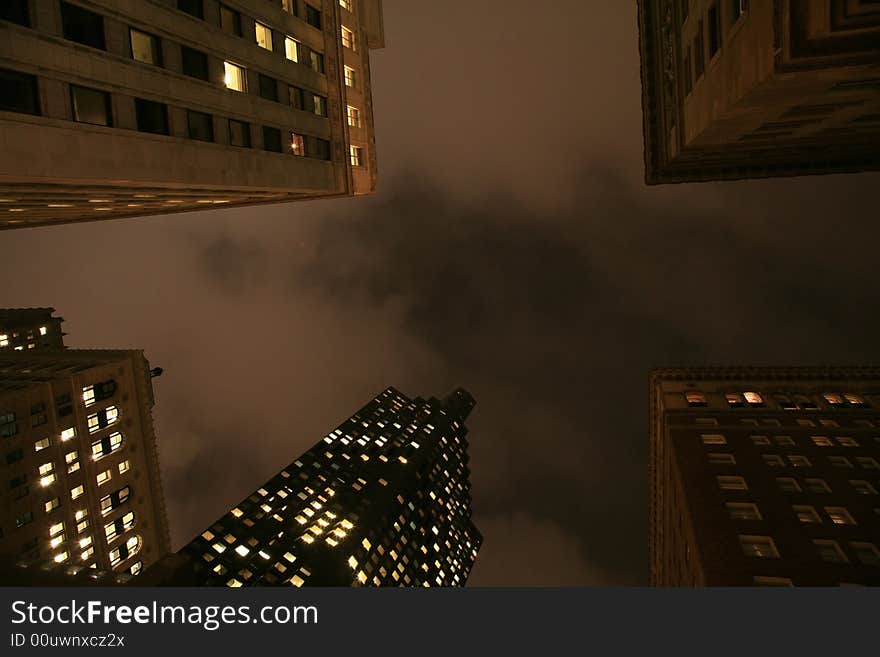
(731, 483)
(771, 422)
(722, 459)
(318, 148)
(14, 456)
(822, 441)
(47, 474)
(119, 526)
(239, 133)
(319, 104)
(863, 487)
(114, 500)
(839, 515)
(41, 444)
(124, 466)
(316, 61)
(18, 93)
(136, 567)
(743, 511)
(72, 460)
(855, 400)
(346, 4)
(687, 75)
(15, 11)
(106, 445)
(200, 125)
(734, 399)
(760, 440)
(77, 491)
(806, 514)
(91, 106)
(234, 78)
(98, 392)
(192, 7)
(264, 36)
(695, 398)
(868, 462)
(752, 398)
(829, 551)
(848, 442)
(151, 117)
(774, 460)
(289, 6)
(297, 144)
(356, 154)
(804, 422)
(867, 553)
(194, 63)
(348, 38)
(291, 49)
(105, 417)
(840, 462)
(799, 461)
(784, 441)
(82, 26)
(123, 552)
(354, 117)
(714, 20)
(759, 546)
(272, 139)
(230, 21)
(52, 504)
(818, 486)
(145, 48)
(350, 77)
(833, 399)
(268, 88)
(706, 421)
(104, 476)
(866, 424)
(788, 485)
(829, 423)
(313, 16)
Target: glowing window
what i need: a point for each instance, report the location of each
(348, 38)
(77, 491)
(695, 398)
(839, 515)
(806, 514)
(753, 398)
(291, 49)
(105, 476)
(234, 77)
(264, 36)
(354, 117)
(350, 77)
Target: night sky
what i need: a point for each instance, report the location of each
(512, 249)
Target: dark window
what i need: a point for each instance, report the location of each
(82, 26)
(737, 9)
(316, 61)
(20, 480)
(318, 148)
(14, 456)
(313, 16)
(201, 125)
(272, 139)
(145, 48)
(104, 390)
(91, 106)
(24, 519)
(194, 63)
(151, 117)
(239, 133)
(15, 11)
(297, 98)
(19, 92)
(230, 20)
(688, 73)
(268, 88)
(192, 7)
(714, 30)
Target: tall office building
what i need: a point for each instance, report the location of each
(23, 329)
(765, 476)
(78, 466)
(117, 108)
(756, 88)
(383, 500)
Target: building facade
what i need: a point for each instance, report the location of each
(117, 108)
(756, 88)
(79, 470)
(383, 500)
(765, 476)
(22, 329)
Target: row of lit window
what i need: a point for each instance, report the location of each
(4, 338)
(827, 549)
(785, 441)
(791, 485)
(785, 402)
(806, 514)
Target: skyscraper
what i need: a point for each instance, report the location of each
(765, 476)
(112, 109)
(749, 89)
(79, 469)
(23, 329)
(383, 500)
